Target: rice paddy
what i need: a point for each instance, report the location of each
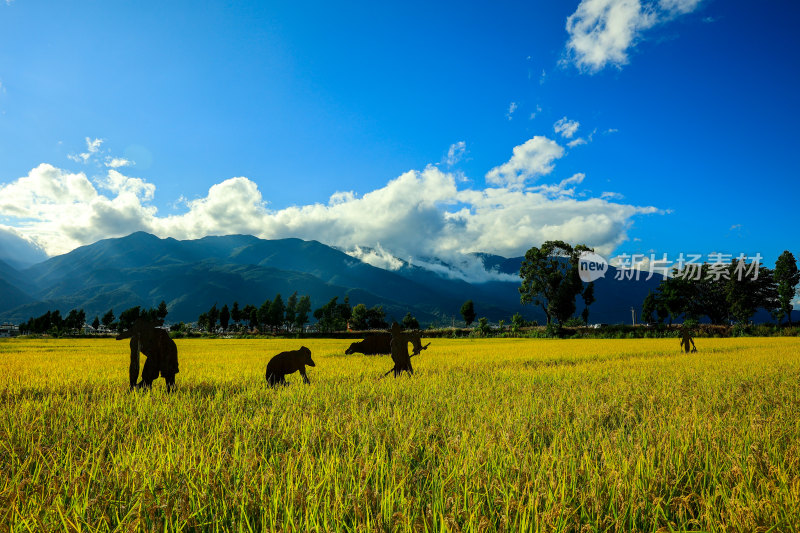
(488, 435)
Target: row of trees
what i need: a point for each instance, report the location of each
(53, 322)
(274, 315)
(725, 295)
(551, 280)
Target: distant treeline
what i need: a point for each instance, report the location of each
(724, 293)
(275, 316)
(54, 324)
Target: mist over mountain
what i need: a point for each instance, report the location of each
(17, 251)
(191, 275)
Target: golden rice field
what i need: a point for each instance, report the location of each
(488, 435)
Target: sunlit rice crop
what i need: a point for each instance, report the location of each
(488, 435)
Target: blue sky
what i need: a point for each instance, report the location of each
(677, 124)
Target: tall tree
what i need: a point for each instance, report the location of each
(224, 317)
(333, 316)
(358, 318)
(213, 315)
(409, 322)
(787, 276)
(263, 314)
(245, 313)
(345, 311)
(468, 312)
(291, 310)
(550, 279)
(517, 323)
(303, 308)
(57, 321)
(108, 318)
(96, 323)
(588, 299)
(236, 313)
(75, 319)
(202, 321)
(746, 295)
(276, 311)
(376, 318)
(162, 311)
(649, 306)
(128, 317)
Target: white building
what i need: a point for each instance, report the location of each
(8, 330)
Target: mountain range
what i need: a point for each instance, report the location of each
(191, 275)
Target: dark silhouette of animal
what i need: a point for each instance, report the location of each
(372, 345)
(288, 363)
(161, 351)
(399, 346)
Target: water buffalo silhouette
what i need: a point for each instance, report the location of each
(162, 353)
(288, 363)
(372, 345)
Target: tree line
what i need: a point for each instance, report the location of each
(278, 317)
(719, 292)
(724, 295)
(53, 323)
(272, 315)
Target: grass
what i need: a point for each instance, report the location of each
(488, 435)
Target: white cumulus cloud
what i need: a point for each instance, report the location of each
(576, 142)
(602, 32)
(530, 160)
(415, 217)
(117, 162)
(566, 127)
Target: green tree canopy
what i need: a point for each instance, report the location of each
(276, 311)
(303, 309)
(224, 317)
(291, 309)
(550, 279)
(468, 312)
(161, 311)
(108, 318)
(213, 316)
(787, 276)
(358, 318)
(409, 322)
(333, 316)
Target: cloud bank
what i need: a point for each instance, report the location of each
(419, 214)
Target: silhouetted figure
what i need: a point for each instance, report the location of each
(687, 342)
(162, 354)
(289, 363)
(372, 345)
(399, 346)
